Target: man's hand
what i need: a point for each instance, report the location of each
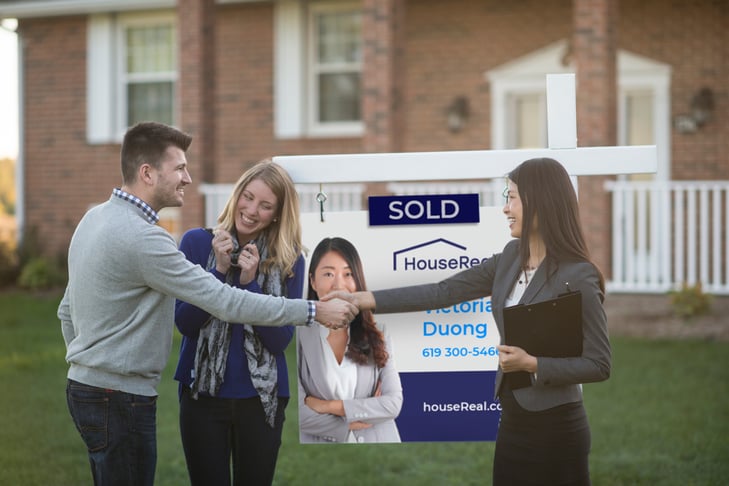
(364, 300)
(335, 313)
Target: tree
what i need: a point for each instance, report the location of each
(7, 186)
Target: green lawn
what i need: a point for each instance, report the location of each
(662, 418)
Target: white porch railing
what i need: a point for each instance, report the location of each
(669, 233)
(664, 234)
(340, 197)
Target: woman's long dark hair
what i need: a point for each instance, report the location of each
(548, 198)
(365, 338)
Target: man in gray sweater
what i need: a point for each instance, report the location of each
(117, 313)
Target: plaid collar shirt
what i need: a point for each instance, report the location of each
(149, 213)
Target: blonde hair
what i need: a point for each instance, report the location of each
(283, 235)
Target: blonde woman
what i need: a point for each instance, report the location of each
(233, 376)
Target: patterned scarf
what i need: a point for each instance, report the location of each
(213, 344)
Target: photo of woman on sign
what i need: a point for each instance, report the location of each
(349, 388)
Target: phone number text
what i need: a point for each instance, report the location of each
(460, 352)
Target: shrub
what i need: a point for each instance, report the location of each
(40, 273)
(690, 301)
(9, 266)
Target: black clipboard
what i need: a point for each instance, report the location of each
(551, 328)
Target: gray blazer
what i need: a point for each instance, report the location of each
(380, 411)
(558, 379)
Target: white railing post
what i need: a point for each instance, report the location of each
(618, 232)
(665, 234)
(716, 238)
(691, 246)
(678, 241)
(704, 235)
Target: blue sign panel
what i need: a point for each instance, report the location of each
(423, 209)
(448, 406)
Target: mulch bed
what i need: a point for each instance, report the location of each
(651, 316)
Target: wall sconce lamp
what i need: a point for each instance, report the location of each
(457, 113)
(701, 108)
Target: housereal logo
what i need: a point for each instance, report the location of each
(438, 254)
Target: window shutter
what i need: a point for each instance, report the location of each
(288, 70)
(100, 68)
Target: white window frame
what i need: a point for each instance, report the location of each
(295, 97)
(106, 106)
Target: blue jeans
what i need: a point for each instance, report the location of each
(120, 433)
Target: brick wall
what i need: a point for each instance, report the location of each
(449, 47)
(444, 49)
(594, 50)
(63, 175)
(692, 37)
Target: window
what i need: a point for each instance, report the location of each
(318, 81)
(636, 114)
(132, 73)
(335, 67)
(149, 71)
(529, 121)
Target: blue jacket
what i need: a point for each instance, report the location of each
(196, 245)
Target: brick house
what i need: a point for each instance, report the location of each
(252, 79)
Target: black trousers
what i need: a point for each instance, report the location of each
(220, 432)
(550, 447)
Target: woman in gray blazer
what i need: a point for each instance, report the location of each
(349, 388)
(544, 436)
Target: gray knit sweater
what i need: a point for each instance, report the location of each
(117, 314)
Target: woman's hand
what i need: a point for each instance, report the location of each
(223, 247)
(248, 263)
(333, 407)
(358, 425)
(514, 358)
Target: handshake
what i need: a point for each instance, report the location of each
(338, 308)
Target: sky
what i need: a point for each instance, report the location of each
(8, 94)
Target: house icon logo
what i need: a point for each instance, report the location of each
(438, 254)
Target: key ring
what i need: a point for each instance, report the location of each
(321, 199)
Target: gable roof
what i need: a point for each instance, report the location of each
(555, 58)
